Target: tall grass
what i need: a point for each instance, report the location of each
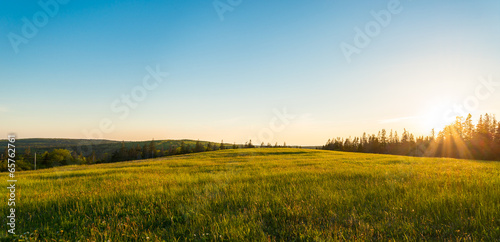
(262, 194)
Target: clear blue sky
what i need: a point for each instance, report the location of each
(227, 77)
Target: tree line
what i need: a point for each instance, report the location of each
(461, 139)
(150, 150)
(70, 156)
(61, 157)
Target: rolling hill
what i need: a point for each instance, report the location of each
(262, 194)
(100, 147)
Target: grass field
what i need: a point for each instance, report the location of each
(262, 194)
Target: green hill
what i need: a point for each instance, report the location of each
(262, 194)
(101, 147)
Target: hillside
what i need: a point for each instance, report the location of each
(101, 147)
(263, 194)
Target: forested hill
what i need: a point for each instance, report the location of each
(41, 144)
(101, 150)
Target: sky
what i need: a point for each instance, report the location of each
(292, 71)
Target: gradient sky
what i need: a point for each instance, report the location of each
(228, 77)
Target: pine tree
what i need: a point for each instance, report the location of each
(198, 147)
(209, 147)
(145, 152)
(250, 145)
(27, 153)
(5, 155)
(480, 127)
(152, 149)
(383, 137)
(468, 128)
(122, 154)
(138, 152)
(493, 127)
(383, 141)
(487, 123)
(497, 141)
(45, 160)
(404, 137)
(497, 132)
(183, 148)
(172, 150)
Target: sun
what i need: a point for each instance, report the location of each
(436, 114)
(434, 121)
(437, 117)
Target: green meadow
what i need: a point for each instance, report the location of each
(262, 194)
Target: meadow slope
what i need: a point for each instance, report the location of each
(262, 194)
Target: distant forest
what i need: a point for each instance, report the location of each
(60, 152)
(462, 139)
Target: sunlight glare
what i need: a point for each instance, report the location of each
(435, 117)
